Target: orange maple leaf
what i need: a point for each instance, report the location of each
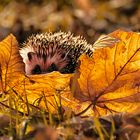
(109, 81)
(11, 64)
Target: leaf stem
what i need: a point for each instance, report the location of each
(82, 112)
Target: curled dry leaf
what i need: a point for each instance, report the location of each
(11, 64)
(105, 41)
(109, 82)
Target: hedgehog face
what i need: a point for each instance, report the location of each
(35, 64)
(47, 52)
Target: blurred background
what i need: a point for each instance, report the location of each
(89, 18)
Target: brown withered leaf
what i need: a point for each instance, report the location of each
(109, 82)
(46, 133)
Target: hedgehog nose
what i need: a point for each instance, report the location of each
(53, 67)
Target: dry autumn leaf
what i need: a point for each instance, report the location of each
(49, 91)
(11, 65)
(109, 82)
(105, 41)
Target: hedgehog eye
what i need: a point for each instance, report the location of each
(36, 70)
(53, 67)
(30, 55)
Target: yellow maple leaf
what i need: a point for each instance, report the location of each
(11, 64)
(109, 81)
(51, 89)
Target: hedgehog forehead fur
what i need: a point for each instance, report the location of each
(46, 45)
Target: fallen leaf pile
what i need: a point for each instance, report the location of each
(106, 83)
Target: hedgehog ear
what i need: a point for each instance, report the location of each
(30, 55)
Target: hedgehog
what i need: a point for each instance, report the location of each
(48, 52)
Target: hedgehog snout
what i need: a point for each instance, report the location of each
(39, 65)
